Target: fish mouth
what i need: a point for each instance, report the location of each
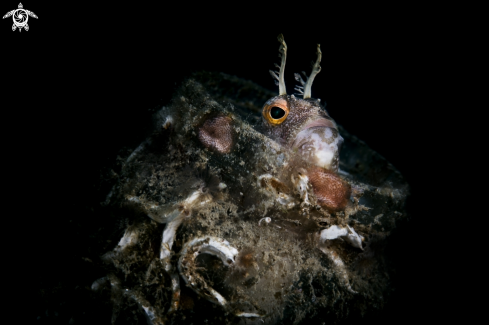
(321, 122)
(317, 123)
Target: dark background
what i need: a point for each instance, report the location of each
(81, 84)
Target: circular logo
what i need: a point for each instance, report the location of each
(20, 17)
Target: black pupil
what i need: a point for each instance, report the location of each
(277, 112)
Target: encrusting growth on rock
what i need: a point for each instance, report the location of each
(331, 191)
(245, 210)
(217, 134)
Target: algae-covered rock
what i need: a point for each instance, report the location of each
(227, 226)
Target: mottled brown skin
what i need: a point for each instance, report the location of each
(217, 134)
(331, 191)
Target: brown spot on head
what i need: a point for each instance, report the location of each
(217, 134)
(331, 191)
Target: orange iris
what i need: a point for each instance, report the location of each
(276, 112)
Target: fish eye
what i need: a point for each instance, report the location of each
(276, 112)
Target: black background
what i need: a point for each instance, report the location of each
(81, 85)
